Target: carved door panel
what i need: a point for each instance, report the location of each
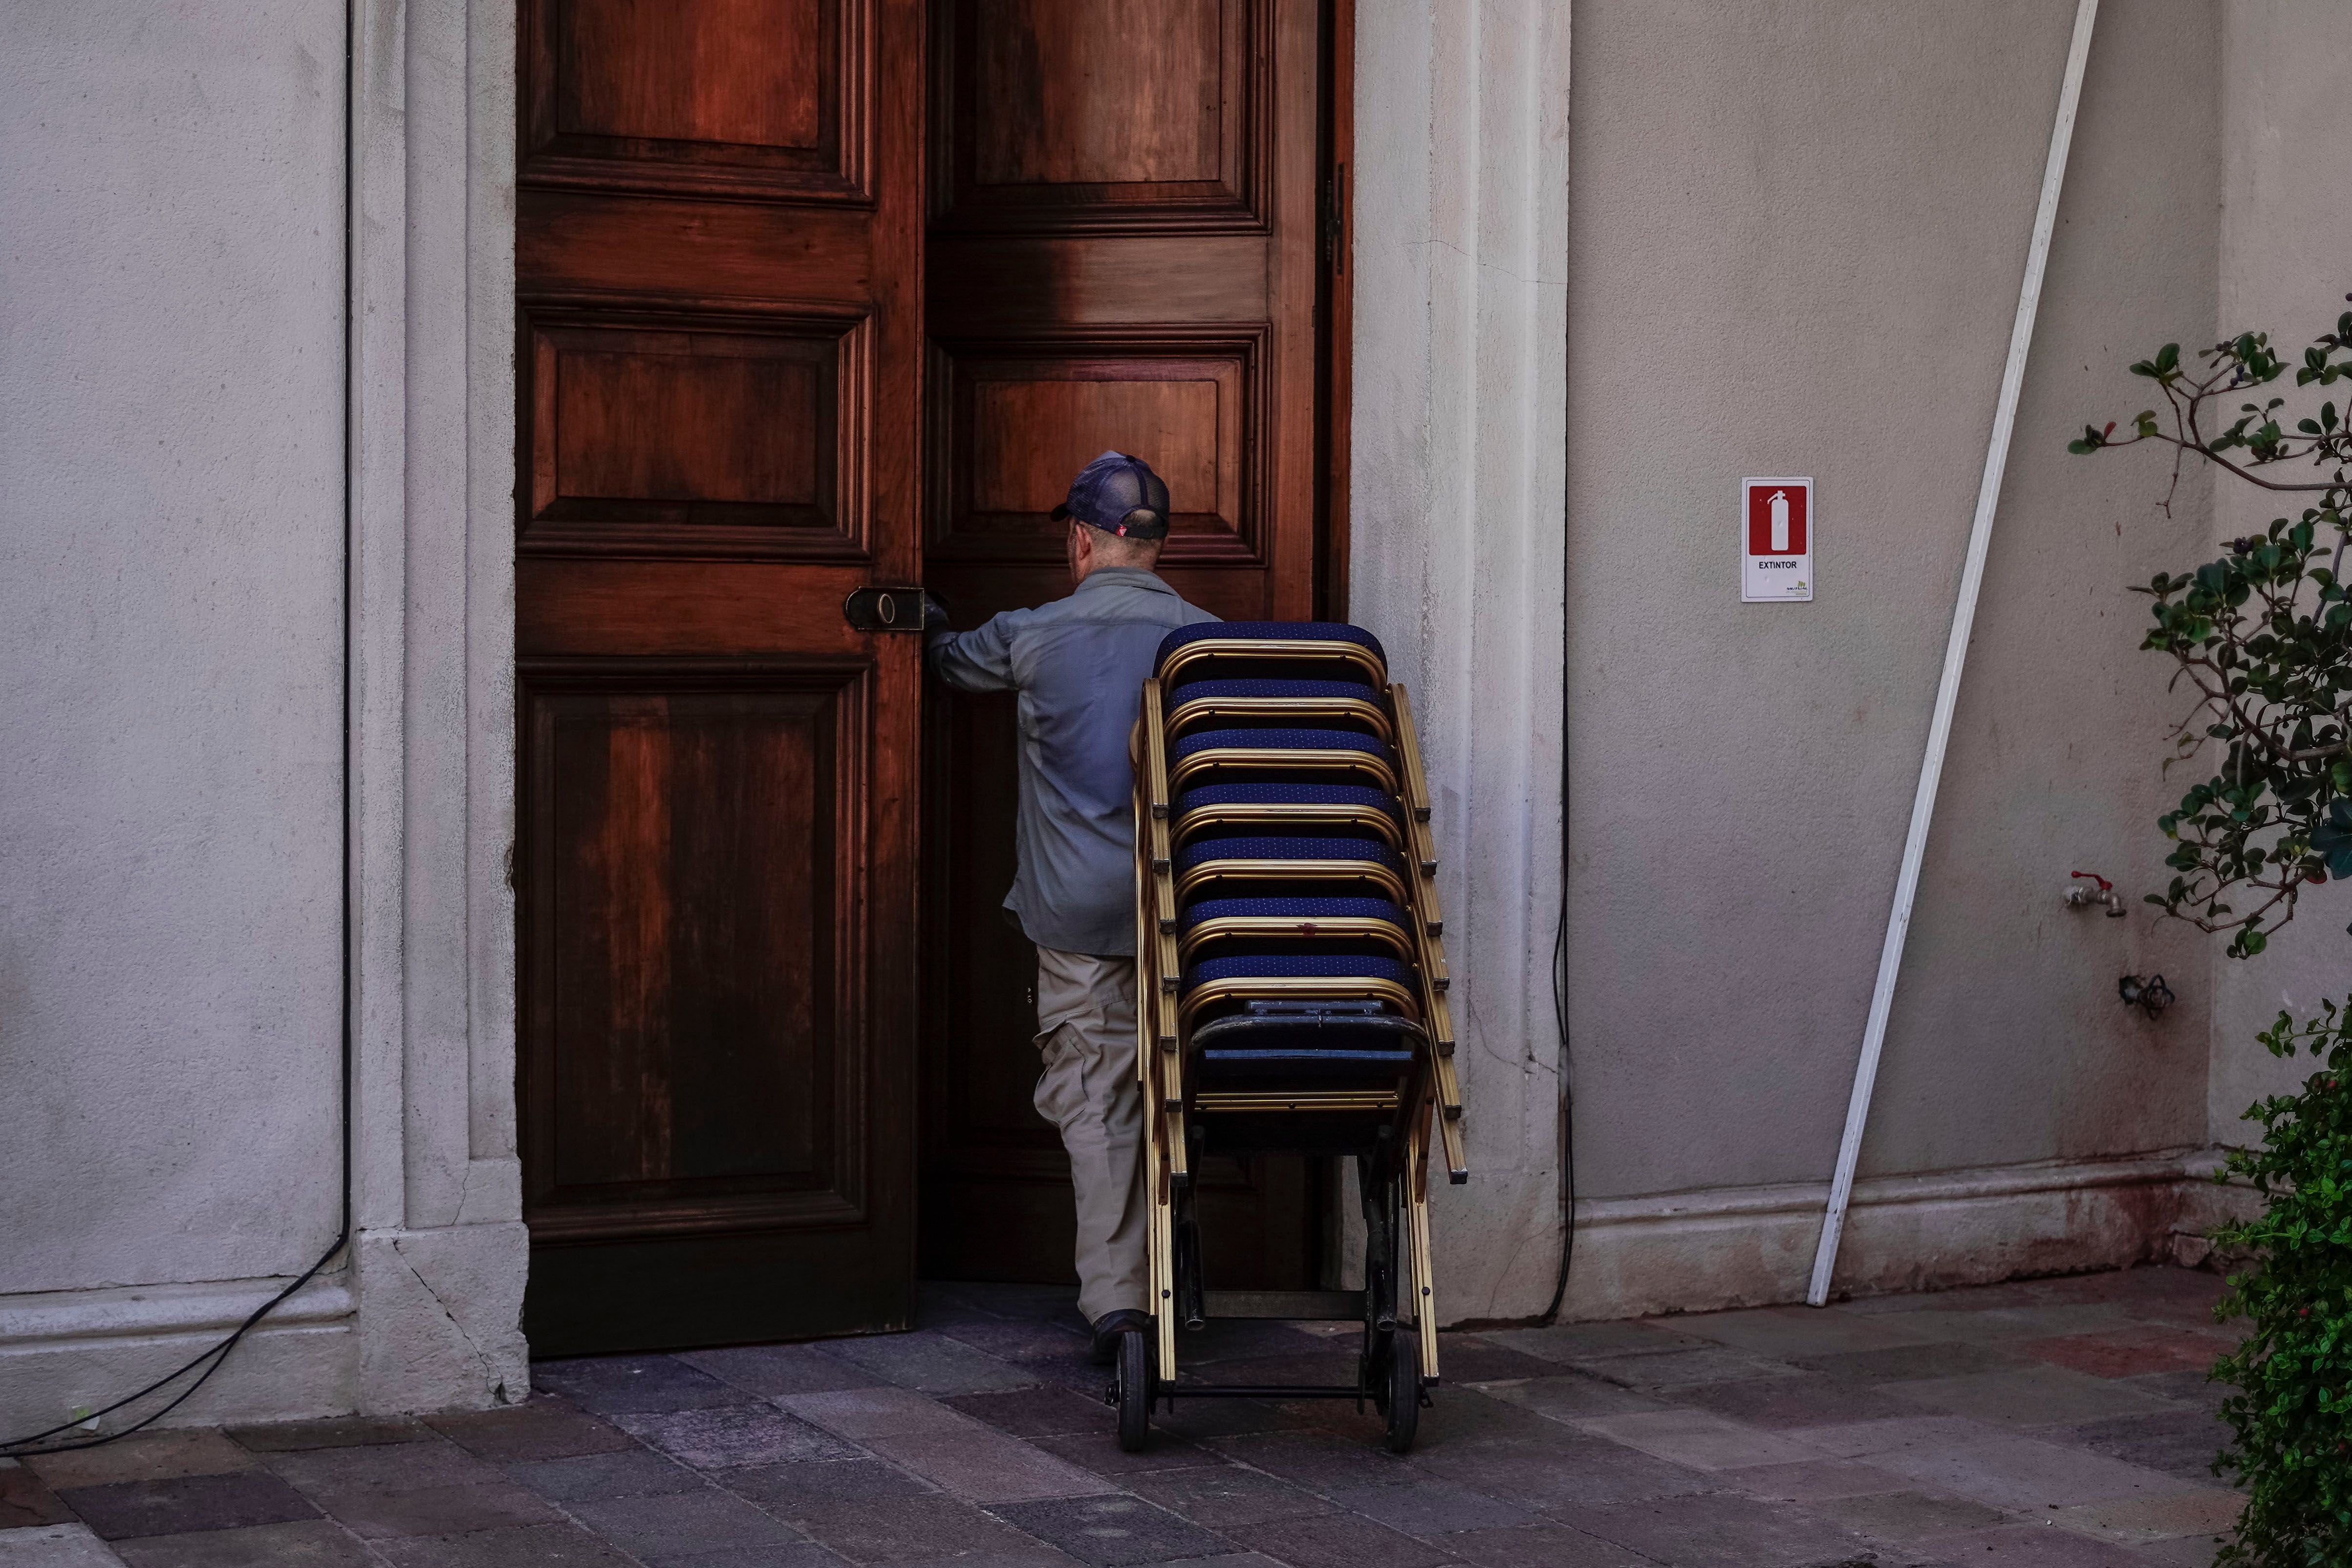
(1124, 252)
(718, 280)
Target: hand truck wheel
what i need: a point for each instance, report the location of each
(1401, 1389)
(1134, 1391)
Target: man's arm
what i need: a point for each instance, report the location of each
(980, 660)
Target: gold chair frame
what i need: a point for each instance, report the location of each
(1433, 1102)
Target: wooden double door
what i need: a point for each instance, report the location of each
(812, 295)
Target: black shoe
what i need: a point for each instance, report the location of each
(1110, 1326)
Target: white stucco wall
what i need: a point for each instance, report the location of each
(171, 647)
(2285, 267)
(178, 510)
(1795, 239)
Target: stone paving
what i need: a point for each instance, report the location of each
(2050, 1423)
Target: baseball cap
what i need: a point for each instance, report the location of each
(1119, 495)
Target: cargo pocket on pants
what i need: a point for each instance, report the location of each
(1061, 1093)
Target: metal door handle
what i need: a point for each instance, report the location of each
(885, 609)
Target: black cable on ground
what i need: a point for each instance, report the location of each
(21, 1448)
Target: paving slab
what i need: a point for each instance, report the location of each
(1680, 1368)
(768, 1370)
(1048, 1411)
(986, 1467)
(1787, 1332)
(24, 1501)
(2180, 1443)
(1698, 1438)
(2030, 1546)
(2183, 1387)
(2204, 1512)
(541, 1546)
(1113, 1530)
(142, 1457)
(1813, 1481)
(1692, 1532)
(185, 1503)
(438, 1510)
(861, 1415)
(1568, 1396)
(1809, 1399)
(792, 1554)
(2004, 1325)
(1104, 1457)
(1229, 1498)
(1540, 1546)
(728, 1435)
(2040, 1396)
(791, 1490)
(2025, 1476)
(657, 1528)
(1344, 1540)
(55, 1546)
(301, 1544)
(618, 1384)
(542, 1428)
(1583, 1470)
(589, 1478)
(913, 1530)
(335, 1432)
(1567, 1342)
(1317, 1460)
(2127, 1352)
(929, 1361)
(1937, 1358)
(1870, 1439)
(1432, 1510)
(1476, 1364)
(326, 1473)
(1906, 1516)
(2186, 1552)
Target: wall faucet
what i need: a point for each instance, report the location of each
(2081, 897)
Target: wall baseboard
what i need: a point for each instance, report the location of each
(66, 1350)
(1753, 1246)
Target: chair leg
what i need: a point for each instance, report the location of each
(1424, 1278)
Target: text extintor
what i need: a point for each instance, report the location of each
(1776, 541)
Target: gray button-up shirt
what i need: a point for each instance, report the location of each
(1080, 665)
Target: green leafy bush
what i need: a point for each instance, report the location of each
(2262, 638)
(2292, 1415)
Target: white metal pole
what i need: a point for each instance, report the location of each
(1956, 656)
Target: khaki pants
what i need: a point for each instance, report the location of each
(1085, 1035)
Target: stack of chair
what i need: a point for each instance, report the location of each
(1293, 979)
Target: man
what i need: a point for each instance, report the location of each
(1080, 665)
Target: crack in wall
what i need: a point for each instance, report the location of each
(490, 1380)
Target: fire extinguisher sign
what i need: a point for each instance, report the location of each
(1776, 541)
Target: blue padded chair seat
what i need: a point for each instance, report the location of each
(1269, 630)
(1304, 1068)
(1203, 851)
(1306, 909)
(1277, 793)
(1281, 740)
(1295, 967)
(1329, 691)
